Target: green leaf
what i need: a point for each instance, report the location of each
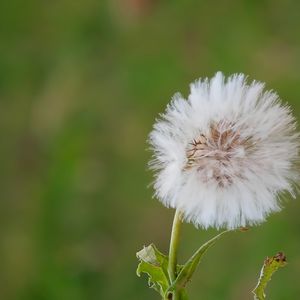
(271, 265)
(189, 268)
(155, 264)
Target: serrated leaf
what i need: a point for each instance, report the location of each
(155, 265)
(271, 265)
(189, 268)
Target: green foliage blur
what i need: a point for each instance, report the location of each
(81, 83)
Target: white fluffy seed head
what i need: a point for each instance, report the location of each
(226, 154)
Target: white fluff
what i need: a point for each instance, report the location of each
(246, 159)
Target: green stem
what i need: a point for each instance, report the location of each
(175, 235)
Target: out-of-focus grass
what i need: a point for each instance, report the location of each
(81, 83)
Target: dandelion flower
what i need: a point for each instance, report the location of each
(224, 156)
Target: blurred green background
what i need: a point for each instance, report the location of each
(81, 83)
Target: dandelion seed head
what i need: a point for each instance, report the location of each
(224, 155)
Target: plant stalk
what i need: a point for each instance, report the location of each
(173, 252)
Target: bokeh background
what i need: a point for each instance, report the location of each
(81, 83)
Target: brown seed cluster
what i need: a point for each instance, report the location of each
(213, 154)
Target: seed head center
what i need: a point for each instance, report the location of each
(215, 154)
